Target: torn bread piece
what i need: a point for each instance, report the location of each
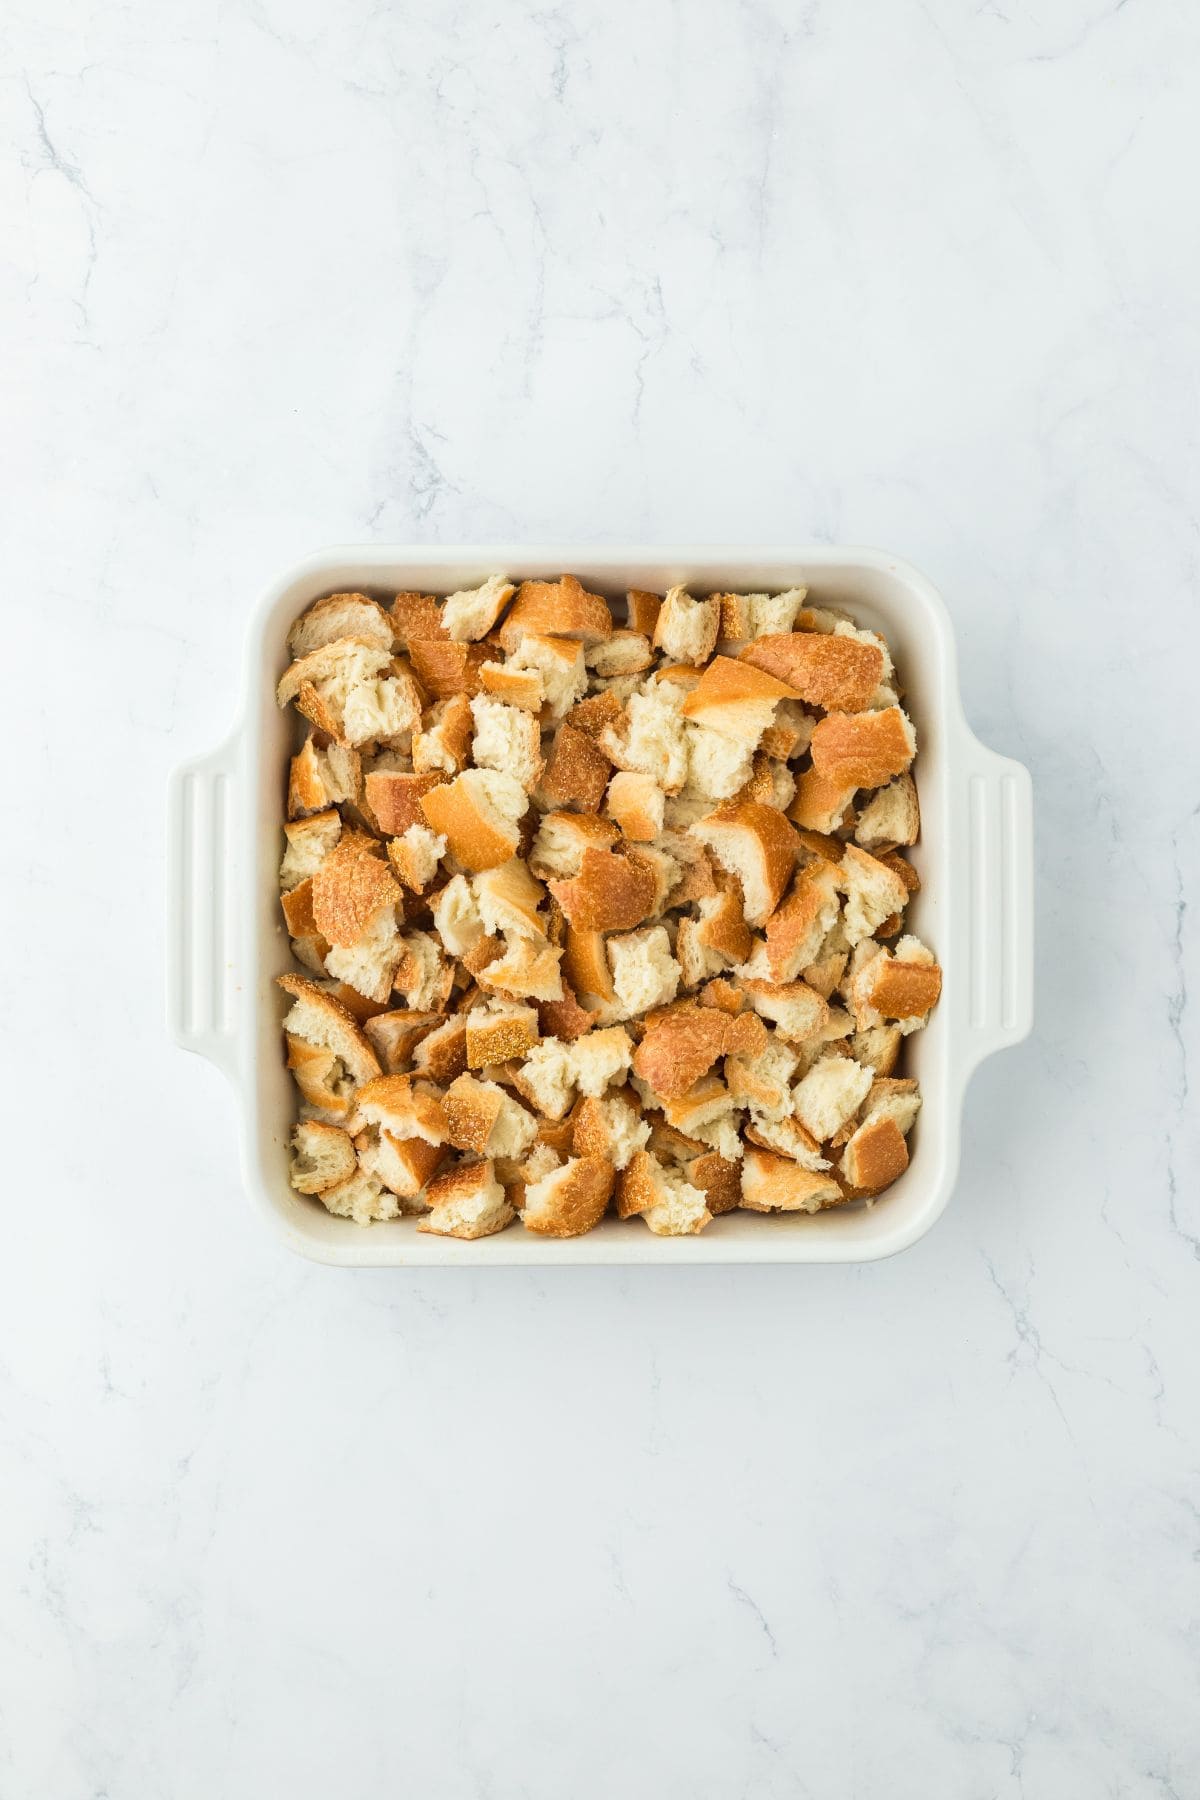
(624, 653)
(471, 613)
(902, 986)
(478, 813)
(553, 1070)
(309, 842)
(509, 900)
(467, 1202)
(562, 609)
(636, 802)
(562, 838)
(403, 1165)
(645, 974)
(649, 738)
(686, 629)
(414, 857)
(404, 1108)
(643, 609)
(483, 1118)
(443, 743)
(866, 748)
(680, 1047)
(362, 1197)
(516, 687)
(892, 816)
(558, 664)
(441, 1054)
(394, 1036)
(736, 699)
(423, 975)
(610, 893)
(610, 1127)
(569, 1200)
(773, 1183)
(796, 932)
(417, 617)
(663, 1197)
(821, 804)
(756, 844)
(831, 1092)
(873, 891)
(322, 777)
(834, 672)
(500, 1031)
(340, 616)
(576, 772)
(506, 738)
(394, 796)
(875, 1156)
(319, 1021)
(528, 969)
(322, 1156)
(746, 616)
(445, 669)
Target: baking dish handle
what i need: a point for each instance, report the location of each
(202, 947)
(998, 1001)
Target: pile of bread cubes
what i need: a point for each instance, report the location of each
(597, 918)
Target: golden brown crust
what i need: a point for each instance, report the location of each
(585, 964)
(643, 608)
(556, 608)
(820, 805)
(477, 838)
(341, 1028)
(441, 1054)
(722, 994)
(565, 1018)
(724, 929)
(762, 834)
(903, 990)
(795, 930)
(444, 668)
(572, 1200)
(528, 970)
(592, 715)
(417, 618)
(837, 673)
(866, 748)
(501, 1037)
(726, 685)
(394, 796)
(875, 1156)
(516, 687)
(576, 772)
(472, 1109)
(610, 892)
(719, 1180)
(297, 906)
(679, 1048)
(349, 889)
(635, 801)
(773, 1183)
(395, 1035)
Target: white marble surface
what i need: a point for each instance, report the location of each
(905, 272)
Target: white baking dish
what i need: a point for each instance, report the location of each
(226, 941)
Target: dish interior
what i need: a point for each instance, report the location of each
(882, 596)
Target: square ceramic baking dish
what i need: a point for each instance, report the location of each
(975, 909)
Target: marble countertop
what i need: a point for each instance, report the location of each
(919, 275)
